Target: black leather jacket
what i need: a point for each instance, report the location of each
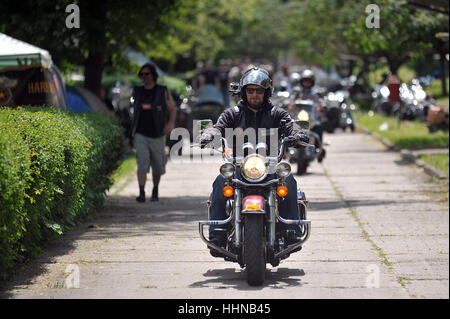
(239, 118)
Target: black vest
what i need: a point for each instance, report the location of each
(159, 108)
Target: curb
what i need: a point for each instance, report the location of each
(408, 156)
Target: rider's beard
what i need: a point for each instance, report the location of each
(255, 104)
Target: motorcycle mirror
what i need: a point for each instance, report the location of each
(234, 87)
(304, 125)
(204, 124)
(190, 90)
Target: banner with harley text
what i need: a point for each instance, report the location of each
(30, 85)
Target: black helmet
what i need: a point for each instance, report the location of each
(307, 75)
(256, 76)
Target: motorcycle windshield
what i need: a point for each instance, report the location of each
(311, 109)
(209, 94)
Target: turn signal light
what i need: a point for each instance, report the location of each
(282, 191)
(228, 191)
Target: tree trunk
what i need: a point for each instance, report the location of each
(96, 39)
(93, 70)
(394, 63)
(443, 68)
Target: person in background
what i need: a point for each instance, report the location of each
(210, 75)
(152, 104)
(198, 77)
(224, 71)
(282, 78)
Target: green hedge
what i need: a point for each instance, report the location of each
(55, 169)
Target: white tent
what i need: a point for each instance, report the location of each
(14, 52)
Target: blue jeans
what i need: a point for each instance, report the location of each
(288, 208)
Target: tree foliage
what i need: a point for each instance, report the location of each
(184, 31)
(106, 28)
(405, 32)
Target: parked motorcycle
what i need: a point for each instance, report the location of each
(413, 104)
(306, 110)
(380, 96)
(252, 209)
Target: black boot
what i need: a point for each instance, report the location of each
(155, 194)
(219, 241)
(141, 197)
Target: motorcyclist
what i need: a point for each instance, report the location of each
(307, 82)
(254, 110)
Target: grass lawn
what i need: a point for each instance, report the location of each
(412, 135)
(440, 161)
(127, 166)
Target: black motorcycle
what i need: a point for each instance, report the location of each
(307, 110)
(252, 209)
(338, 110)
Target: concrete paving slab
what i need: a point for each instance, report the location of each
(378, 232)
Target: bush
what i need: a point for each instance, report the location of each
(55, 168)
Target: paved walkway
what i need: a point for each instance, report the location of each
(379, 230)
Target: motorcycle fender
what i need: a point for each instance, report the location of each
(253, 204)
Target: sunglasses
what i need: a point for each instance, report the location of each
(255, 90)
(141, 74)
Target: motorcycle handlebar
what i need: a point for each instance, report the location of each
(230, 158)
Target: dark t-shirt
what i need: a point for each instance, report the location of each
(145, 125)
(210, 76)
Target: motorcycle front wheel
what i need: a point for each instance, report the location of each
(254, 249)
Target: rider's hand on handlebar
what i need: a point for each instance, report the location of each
(205, 139)
(227, 152)
(297, 139)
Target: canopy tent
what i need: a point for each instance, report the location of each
(15, 53)
(28, 75)
(81, 100)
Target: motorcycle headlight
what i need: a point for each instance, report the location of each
(303, 115)
(254, 168)
(227, 170)
(283, 169)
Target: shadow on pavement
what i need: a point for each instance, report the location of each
(120, 216)
(232, 278)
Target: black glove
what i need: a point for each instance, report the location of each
(295, 139)
(205, 139)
